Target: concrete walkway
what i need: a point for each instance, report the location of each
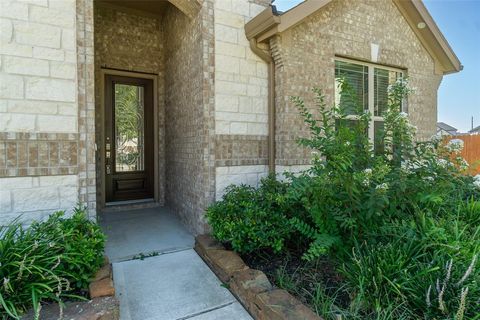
(158, 275)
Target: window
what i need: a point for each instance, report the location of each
(370, 84)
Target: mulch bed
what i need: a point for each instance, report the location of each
(303, 277)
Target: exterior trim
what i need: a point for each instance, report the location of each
(268, 23)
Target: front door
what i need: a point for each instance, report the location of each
(128, 138)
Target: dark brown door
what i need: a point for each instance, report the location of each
(128, 138)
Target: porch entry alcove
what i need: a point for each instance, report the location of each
(148, 104)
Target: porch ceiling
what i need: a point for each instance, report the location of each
(156, 7)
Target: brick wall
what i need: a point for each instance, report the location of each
(38, 104)
(305, 58)
(188, 114)
(241, 96)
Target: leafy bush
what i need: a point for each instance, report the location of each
(250, 218)
(400, 216)
(49, 261)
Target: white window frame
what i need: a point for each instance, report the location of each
(371, 92)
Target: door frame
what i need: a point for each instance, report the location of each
(104, 72)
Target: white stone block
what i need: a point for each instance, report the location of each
(235, 116)
(70, 180)
(260, 105)
(226, 33)
(256, 9)
(11, 86)
(246, 169)
(43, 3)
(5, 201)
(37, 34)
(66, 6)
(246, 105)
(56, 123)
(17, 122)
(13, 9)
(221, 170)
(49, 54)
(223, 5)
(68, 198)
(46, 198)
(50, 89)
(226, 87)
(253, 91)
(15, 49)
(248, 68)
(64, 70)
(68, 109)
(257, 129)
(241, 7)
(229, 49)
(28, 66)
(68, 39)
(32, 107)
(222, 127)
(262, 69)
(6, 33)
(227, 64)
(226, 103)
(238, 128)
(229, 18)
(16, 183)
(51, 16)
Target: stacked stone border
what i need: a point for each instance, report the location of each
(251, 287)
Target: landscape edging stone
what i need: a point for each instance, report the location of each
(251, 287)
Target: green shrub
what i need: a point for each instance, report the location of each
(402, 217)
(250, 218)
(49, 261)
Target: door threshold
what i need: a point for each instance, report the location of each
(126, 202)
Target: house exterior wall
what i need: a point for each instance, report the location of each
(130, 42)
(189, 117)
(346, 28)
(39, 140)
(241, 98)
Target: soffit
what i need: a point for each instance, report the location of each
(268, 23)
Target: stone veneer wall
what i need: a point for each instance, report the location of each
(189, 126)
(241, 97)
(305, 54)
(39, 141)
(135, 43)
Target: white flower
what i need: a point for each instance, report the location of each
(403, 114)
(455, 145)
(382, 187)
(389, 157)
(443, 163)
(429, 179)
(476, 181)
(463, 164)
(347, 143)
(368, 171)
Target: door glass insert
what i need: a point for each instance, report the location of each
(129, 128)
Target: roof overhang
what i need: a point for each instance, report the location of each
(269, 23)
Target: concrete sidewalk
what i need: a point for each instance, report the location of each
(171, 282)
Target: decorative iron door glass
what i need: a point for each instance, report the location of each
(129, 128)
(128, 138)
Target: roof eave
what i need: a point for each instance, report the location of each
(267, 24)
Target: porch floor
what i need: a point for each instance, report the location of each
(172, 281)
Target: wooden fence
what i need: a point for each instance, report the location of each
(471, 151)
